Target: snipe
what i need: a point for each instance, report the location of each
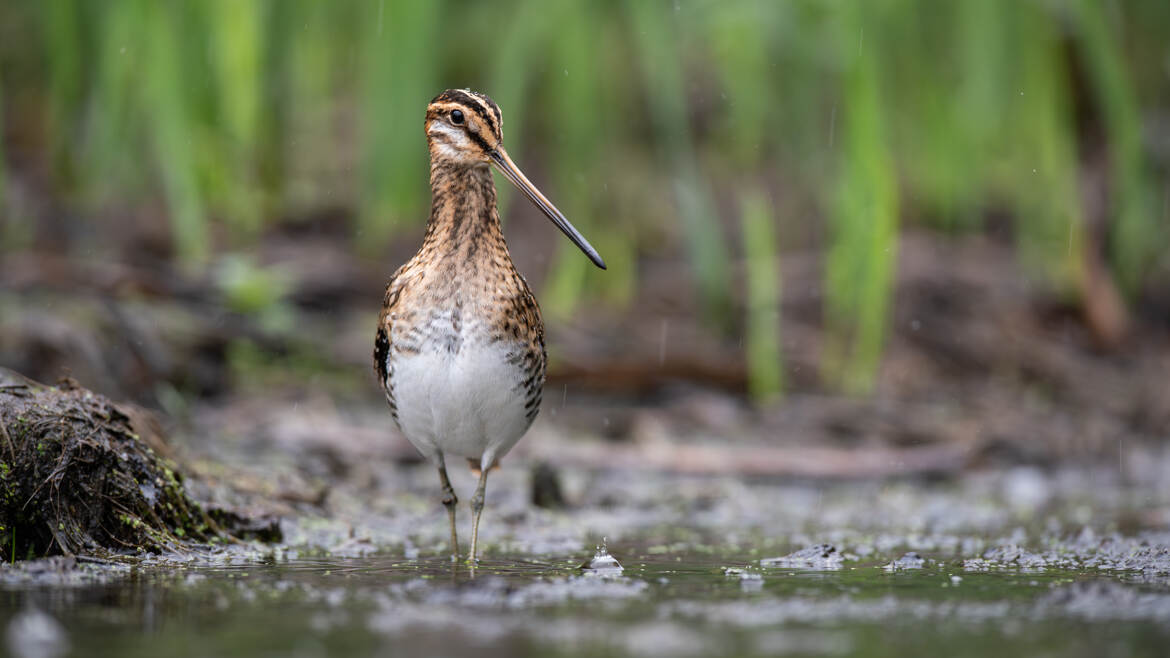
(460, 344)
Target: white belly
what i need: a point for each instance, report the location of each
(467, 402)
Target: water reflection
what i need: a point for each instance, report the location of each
(675, 602)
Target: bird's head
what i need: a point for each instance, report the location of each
(465, 128)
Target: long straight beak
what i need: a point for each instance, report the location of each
(513, 173)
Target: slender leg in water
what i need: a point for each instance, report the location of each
(476, 511)
(449, 501)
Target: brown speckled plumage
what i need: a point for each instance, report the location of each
(459, 347)
(463, 267)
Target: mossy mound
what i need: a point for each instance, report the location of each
(76, 479)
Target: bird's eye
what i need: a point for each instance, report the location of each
(457, 117)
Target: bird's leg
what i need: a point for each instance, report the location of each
(449, 501)
(476, 511)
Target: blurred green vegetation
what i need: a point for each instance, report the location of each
(654, 125)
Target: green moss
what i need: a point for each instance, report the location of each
(72, 482)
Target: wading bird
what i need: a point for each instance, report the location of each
(459, 348)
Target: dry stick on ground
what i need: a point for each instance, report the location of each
(762, 460)
(8, 441)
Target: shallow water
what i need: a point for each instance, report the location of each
(663, 603)
(1018, 562)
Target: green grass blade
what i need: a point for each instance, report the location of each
(862, 254)
(66, 64)
(660, 59)
(762, 279)
(1041, 172)
(400, 74)
(1135, 234)
(171, 132)
(238, 42)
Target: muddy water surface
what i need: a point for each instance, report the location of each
(1015, 562)
(663, 603)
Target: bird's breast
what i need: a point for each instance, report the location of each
(460, 385)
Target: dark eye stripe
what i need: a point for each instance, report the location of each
(475, 137)
(499, 117)
(491, 112)
(475, 104)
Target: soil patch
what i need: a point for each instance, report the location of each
(76, 478)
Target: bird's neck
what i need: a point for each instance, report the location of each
(464, 219)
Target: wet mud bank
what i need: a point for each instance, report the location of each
(77, 478)
(1069, 561)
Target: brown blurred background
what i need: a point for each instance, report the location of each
(844, 238)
